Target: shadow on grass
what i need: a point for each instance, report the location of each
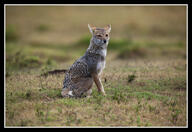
(19, 61)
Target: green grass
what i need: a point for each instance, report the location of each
(49, 106)
(134, 89)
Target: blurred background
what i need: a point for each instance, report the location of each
(47, 35)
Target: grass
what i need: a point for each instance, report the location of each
(11, 34)
(136, 95)
(42, 28)
(150, 99)
(142, 89)
(144, 78)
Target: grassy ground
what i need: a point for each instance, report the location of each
(144, 78)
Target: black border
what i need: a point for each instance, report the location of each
(3, 2)
(189, 68)
(96, 2)
(2, 64)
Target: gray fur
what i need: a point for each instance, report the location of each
(78, 79)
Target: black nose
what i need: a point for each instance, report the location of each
(104, 41)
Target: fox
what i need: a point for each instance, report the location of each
(86, 70)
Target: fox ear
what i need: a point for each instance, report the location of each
(108, 28)
(91, 28)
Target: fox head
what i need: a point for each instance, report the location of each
(100, 36)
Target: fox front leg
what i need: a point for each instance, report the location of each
(98, 84)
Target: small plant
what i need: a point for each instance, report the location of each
(50, 62)
(11, 114)
(39, 112)
(59, 109)
(53, 93)
(138, 121)
(174, 115)
(45, 69)
(131, 120)
(170, 102)
(147, 124)
(28, 94)
(8, 74)
(24, 122)
(118, 95)
(70, 102)
(138, 107)
(151, 108)
(30, 61)
(71, 117)
(131, 77)
(98, 98)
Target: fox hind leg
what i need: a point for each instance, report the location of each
(80, 88)
(83, 87)
(65, 92)
(89, 92)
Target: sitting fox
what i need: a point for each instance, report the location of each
(87, 69)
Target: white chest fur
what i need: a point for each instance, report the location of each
(104, 52)
(101, 64)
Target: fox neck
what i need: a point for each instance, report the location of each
(97, 49)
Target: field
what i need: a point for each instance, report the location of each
(144, 79)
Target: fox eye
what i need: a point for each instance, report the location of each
(106, 35)
(99, 36)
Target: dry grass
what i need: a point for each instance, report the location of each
(154, 98)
